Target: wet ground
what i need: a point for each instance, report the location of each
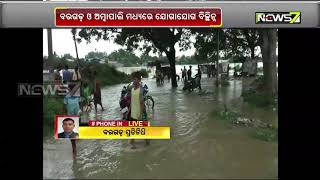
(200, 146)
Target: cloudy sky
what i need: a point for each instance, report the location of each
(63, 43)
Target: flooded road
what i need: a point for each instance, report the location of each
(200, 146)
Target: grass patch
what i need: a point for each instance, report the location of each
(257, 95)
(259, 99)
(51, 107)
(222, 115)
(265, 134)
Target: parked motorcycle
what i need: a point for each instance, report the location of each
(192, 83)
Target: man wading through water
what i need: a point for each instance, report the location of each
(71, 107)
(72, 100)
(136, 108)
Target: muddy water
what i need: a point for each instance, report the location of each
(200, 146)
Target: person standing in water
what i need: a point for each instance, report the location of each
(185, 73)
(71, 107)
(97, 93)
(136, 108)
(199, 71)
(189, 73)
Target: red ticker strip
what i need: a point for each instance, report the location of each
(138, 17)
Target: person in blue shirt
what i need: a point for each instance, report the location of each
(66, 74)
(71, 101)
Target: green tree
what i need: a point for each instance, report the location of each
(161, 40)
(186, 60)
(95, 57)
(234, 44)
(208, 44)
(251, 40)
(124, 57)
(145, 58)
(66, 57)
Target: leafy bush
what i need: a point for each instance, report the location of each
(265, 134)
(259, 99)
(107, 74)
(51, 107)
(143, 73)
(225, 115)
(257, 95)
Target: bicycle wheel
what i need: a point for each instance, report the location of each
(149, 102)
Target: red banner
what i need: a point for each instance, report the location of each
(138, 17)
(116, 123)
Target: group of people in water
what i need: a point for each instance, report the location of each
(187, 74)
(79, 94)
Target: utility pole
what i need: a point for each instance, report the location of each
(50, 52)
(217, 62)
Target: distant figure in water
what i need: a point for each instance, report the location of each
(189, 73)
(161, 77)
(199, 71)
(97, 94)
(183, 74)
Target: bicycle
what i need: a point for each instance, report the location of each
(148, 100)
(87, 105)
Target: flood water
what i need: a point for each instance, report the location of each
(200, 146)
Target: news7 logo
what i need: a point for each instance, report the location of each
(293, 17)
